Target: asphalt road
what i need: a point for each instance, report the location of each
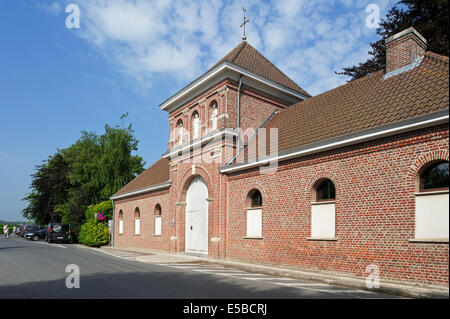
(38, 270)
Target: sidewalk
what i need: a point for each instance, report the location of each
(388, 287)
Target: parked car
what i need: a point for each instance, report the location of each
(58, 232)
(35, 233)
(29, 231)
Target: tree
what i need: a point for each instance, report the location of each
(83, 157)
(86, 173)
(428, 17)
(117, 165)
(50, 187)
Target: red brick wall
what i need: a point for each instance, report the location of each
(256, 107)
(201, 104)
(146, 204)
(375, 198)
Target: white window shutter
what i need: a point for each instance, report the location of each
(137, 226)
(323, 220)
(432, 216)
(254, 222)
(158, 225)
(120, 226)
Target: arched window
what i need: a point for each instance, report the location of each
(137, 221)
(323, 211)
(325, 191)
(180, 132)
(254, 214)
(196, 125)
(214, 113)
(432, 203)
(158, 213)
(120, 222)
(254, 199)
(435, 177)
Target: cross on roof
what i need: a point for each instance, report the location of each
(244, 38)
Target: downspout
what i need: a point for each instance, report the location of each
(113, 224)
(239, 115)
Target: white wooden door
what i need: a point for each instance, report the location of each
(197, 217)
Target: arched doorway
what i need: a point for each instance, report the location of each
(197, 217)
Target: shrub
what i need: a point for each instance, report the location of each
(104, 207)
(94, 233)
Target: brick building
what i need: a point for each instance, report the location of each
(351, 178)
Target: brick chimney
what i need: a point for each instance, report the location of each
(403, 48)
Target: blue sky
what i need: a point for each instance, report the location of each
(129, 56)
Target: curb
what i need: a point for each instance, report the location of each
(386, 287)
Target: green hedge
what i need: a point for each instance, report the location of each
(95, 233)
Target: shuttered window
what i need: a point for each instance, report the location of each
(137, 226)
(158, 225)
(254, 222)
(121, 226)
(323, 220)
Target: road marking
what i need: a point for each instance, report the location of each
(206, 270)
(254, 275)
(122, 255)
(306, 284)
(355, 291)
(282, 281)
(49, 245)
(278, 278)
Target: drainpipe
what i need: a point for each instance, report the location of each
(113, 224)
(239, 115)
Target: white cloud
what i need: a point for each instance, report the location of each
(179, 40)
(53, 8)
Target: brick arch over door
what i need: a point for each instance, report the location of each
(187, 179)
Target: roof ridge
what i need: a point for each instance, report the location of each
(354, 82)
(246, 56)
(437, 56)
(276, 68)
(245, 43)
(143, 176)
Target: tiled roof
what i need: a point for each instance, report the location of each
(156, 174)
(367, 103)
(247, 57)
